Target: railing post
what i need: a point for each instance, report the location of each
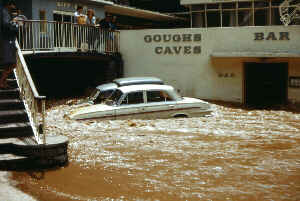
(44, 120)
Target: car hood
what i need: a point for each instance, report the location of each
(88, 111)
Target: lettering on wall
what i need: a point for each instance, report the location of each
(259, 36)
(182, 48)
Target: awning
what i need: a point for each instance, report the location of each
(139, 13)
(259, 54)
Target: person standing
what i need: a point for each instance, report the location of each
(8, 35)
(91, 19)
(91, 22)
(21, 20)
(107, 25)
(80, 19)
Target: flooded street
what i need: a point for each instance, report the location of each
(236, 154)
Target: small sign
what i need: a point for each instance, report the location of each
(294, 82)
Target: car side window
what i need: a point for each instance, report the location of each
(133, 98)
(157, 96)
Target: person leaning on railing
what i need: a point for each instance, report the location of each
(91, 21)
(80, 19)
(8, 35)
(108, 25)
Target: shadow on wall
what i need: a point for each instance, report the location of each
(65, 76)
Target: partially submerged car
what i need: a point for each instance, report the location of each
(104, 91)
(144, 101)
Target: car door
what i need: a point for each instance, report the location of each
(131, 105)
(159, 104)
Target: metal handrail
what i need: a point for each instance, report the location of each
(41, 35)
(35, 104)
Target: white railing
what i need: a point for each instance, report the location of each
(36, 35)
(34, 103)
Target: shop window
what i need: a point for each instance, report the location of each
(213, 19)
(261, 17)
(57, 17)
(261, 11)
(212, 6)
(241, 13)
(275, 16)
(228, 19)
(245, 18)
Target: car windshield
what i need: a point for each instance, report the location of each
(114, 98)
(94, 94)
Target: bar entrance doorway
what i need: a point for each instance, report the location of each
(265, 84)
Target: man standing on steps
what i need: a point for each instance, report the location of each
(8, 35)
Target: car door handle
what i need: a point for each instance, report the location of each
(172, 106)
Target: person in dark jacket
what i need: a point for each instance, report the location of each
(8, 35)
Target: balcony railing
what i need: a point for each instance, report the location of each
(36, 35)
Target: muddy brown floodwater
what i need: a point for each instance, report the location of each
(236, 154)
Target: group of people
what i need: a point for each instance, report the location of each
(9, 26)
(11, 19)
(109, 22)
(89, 37)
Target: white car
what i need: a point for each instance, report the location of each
(104, 91)
(144, 101)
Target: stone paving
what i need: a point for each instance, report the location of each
(9, 192)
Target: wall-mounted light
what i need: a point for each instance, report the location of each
(294, 82)
(226, 75)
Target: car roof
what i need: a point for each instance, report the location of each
(108, 86)
(137, 80)
(143, 87)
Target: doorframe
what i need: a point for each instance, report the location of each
(285, 62)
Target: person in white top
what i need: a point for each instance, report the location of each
(80, 17)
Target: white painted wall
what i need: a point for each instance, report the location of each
(199, 75)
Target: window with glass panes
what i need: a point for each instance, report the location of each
(239, 13)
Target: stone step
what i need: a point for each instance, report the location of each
(11, 104)
(13, 116)
(12, 130)
(22, 154)
(9, 93)
(12, 82)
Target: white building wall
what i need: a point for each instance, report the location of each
(198, 74)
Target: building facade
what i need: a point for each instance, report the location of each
(235, 51)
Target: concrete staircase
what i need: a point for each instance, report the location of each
(14, 126)
(18, 148)
(14, 121)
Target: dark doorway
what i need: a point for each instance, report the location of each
(265, 84)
